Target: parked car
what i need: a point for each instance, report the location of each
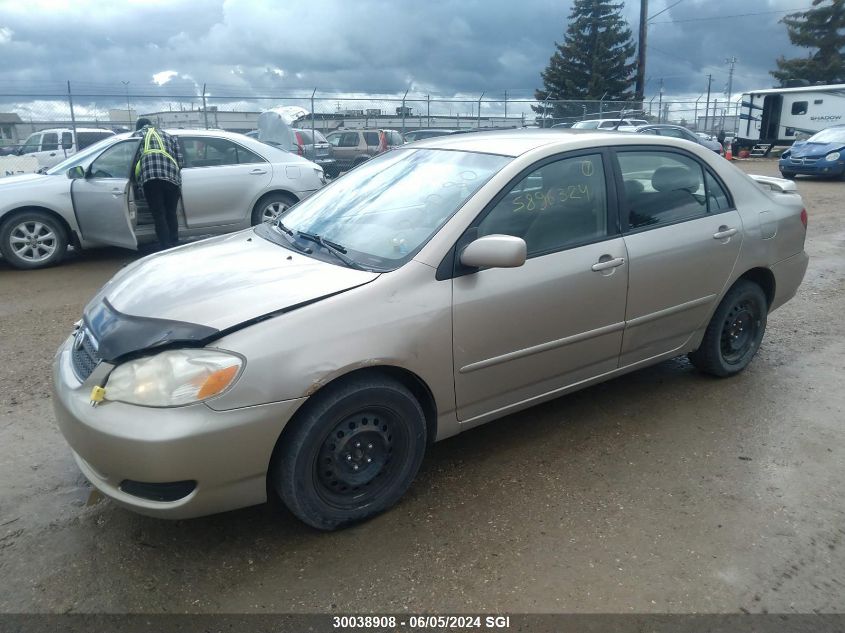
(50, 147)
(350, 148)
(678, 131)
(416, 135)
(823, 154)
(312, 146)
(432, 289)
(229, 182)
(562, 125)
(607, 124)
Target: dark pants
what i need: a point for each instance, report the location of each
(163, 198)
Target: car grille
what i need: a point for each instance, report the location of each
(803, 161)
(84, 355)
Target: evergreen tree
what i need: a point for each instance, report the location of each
(592, 62)
(822, 28)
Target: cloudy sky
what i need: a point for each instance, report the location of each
(459, 47)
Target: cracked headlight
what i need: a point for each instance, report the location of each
(174, 378)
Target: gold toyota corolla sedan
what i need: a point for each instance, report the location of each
(436, 287)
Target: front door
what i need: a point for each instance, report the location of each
(220, 179)
(522, 333)
(683, 238)
(101, 199)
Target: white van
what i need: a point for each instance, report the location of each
(50, 147)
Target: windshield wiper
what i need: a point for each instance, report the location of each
(291, 239)
(334, 248)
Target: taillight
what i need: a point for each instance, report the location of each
(300, 145)
(804, 217)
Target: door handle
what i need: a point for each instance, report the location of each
(257, 172)
(117, 192)
(724, 232)
(606, 264)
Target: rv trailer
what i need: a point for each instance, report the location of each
(777, 115)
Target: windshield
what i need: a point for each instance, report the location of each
(81, 158)
(830, 135)
(385, 210)
(586, 125)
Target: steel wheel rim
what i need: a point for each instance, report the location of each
(273, 211)
(739, 331)
(359, 456)
(33, 241)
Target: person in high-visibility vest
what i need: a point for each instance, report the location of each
(157, 172)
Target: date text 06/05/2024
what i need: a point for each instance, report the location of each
(421, 621)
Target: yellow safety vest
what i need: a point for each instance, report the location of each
(150, 136)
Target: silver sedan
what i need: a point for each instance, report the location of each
(432, 289)
(229, 182)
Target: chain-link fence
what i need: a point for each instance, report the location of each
(62, 118)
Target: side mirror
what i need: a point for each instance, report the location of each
(495, 251)
(76, 172)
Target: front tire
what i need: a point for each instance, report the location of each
(734, 333)
(271, 207)
(788, 175)
(351, 452)
(33, 239)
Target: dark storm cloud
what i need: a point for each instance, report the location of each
(250, 47)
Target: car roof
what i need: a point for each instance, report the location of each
(517, 142)
(79, 129)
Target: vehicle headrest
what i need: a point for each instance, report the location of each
(672, 178)
(633, 187)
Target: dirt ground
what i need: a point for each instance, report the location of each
(661, 491)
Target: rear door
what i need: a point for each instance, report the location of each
(683, 237)
(101, 199)
(220, 180)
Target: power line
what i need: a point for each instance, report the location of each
(736, 15)
(664, 10)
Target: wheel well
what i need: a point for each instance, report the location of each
(69, 233)
(275, 191)
(764, 278)
(406, 378)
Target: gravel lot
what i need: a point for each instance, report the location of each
(661, 491)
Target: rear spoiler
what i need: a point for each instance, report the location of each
(778, 185)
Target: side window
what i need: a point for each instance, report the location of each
(799, 107)
(651, 131)
(245, 157)
(717, 199)
(334, 139)
(116, 161)
(349, 139)
(558, 205)
(668, 131)
(661, 188)
(371, 138)
(32, 144)
(207, 151)
(67, 140)
(49, 142)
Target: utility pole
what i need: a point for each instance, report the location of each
(660, 103)
(641, 52)
(128, 107)
(732, 61)
(707, 105)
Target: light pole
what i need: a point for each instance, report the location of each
(128, 107)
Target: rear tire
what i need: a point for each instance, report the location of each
(33, 239)
(351, 452)
(734, 333)
(271, 206)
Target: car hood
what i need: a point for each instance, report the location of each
(198, 291)
(22, 180)
(806, 149)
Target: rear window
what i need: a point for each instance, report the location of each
(89, 138)
(306, 136)
(395, 138)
